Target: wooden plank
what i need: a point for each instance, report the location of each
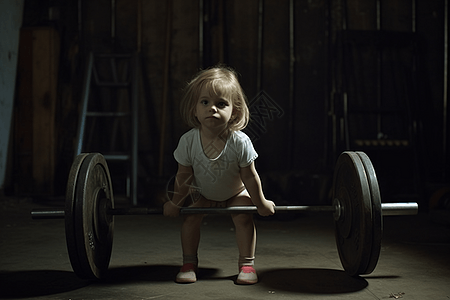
(45, 80)
(23, 118)
(35, 111)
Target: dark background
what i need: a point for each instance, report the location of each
(335, 75)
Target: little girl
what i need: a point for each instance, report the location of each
(217, 159)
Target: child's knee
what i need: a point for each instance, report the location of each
(193, 220)
(243, 220)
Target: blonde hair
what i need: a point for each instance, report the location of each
(224, 83)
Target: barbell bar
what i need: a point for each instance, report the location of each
(357, 209)
(389, 209)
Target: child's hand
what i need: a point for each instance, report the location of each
(266, 208)
(171, 210)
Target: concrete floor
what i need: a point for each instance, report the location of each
(296, 259)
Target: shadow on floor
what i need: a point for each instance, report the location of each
(313, 281)
(24, 284)
(150, 273)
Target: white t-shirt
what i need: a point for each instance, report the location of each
(218, 178)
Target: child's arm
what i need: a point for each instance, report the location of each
(183, 180)
(252, 183)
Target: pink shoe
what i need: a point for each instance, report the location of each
(187, 274)
(247, 275)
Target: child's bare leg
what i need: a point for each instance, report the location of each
(246, 240)
(245, 237)
(245, 230)
(190, 239)
(190, 236)
(190, 231)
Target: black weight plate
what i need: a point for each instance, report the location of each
(93, 228)
(354, 228)
(377, 213)
(69, 213)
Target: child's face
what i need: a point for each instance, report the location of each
(212, 111)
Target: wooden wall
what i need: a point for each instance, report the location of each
(297, 68)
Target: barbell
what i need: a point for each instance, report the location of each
(357, 210)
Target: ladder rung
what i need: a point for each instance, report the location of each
(375, 110)
(107, 114)
(113, 55)
(113, 84)
(117, 157)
